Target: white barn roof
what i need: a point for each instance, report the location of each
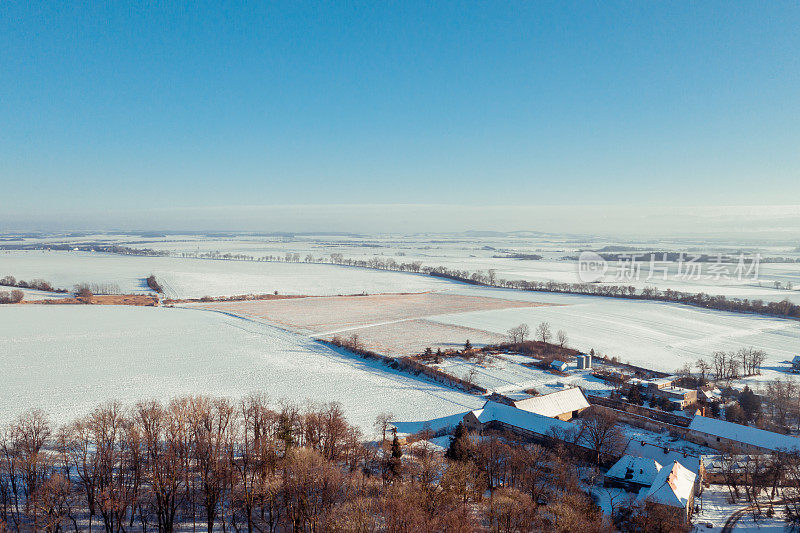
(672, 486)
(555, 403)
(639, 470)
(767, 440)
(536, 423)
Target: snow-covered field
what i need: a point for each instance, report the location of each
(656, 335)
(479, 253)
(67, 359)
(195, 278)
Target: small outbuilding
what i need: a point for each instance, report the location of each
(561, 366)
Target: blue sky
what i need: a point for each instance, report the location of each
(213, 104)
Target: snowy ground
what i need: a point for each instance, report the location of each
(66, 360)
(491, 251)
(655, 335)
(195, 278)
(716, 509)
(507, 374)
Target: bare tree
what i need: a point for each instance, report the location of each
(543, 332)
(562, 338)
(600, 428)
(382, 423)
(517, 334)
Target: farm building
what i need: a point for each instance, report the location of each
(673, 487)
(632, 473)
(796, 362)
(509, 417)
(664, 456)
(658, 383)
(681, 397)
(561, 366)
(720, 469)
(720, 434)
(708, 394)
(564, 404)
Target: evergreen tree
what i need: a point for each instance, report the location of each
(467, 346)
(285, 432)
(395, 461)
(438, 355)
(635, 395)
(428, 352)
(460, 448)
(750, 403)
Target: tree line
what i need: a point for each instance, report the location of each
(784, 308)
(214, 464)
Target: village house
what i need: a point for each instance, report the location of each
(495, 415)
(682, 398)
(673, 488)
(564, 404)
(632, 473)
(720, 434)
(657, 383)
(662, 455)
(561, 366)
(719, 469)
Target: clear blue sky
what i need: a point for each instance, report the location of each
(505, 103)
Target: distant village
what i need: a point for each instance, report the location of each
(658, 440)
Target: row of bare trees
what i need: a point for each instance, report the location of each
(211, 463)
(11, 297)
(37, 284)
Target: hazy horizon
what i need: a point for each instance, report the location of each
(772, 223)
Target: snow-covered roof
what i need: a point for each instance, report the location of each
(676, 390)
(718, 464)
(672, 486)
(664, 456)
(767, 440)
(639, 470)
(555, 403)
(660, 382)
(536, 423)
(710, 393)
(561, 365)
